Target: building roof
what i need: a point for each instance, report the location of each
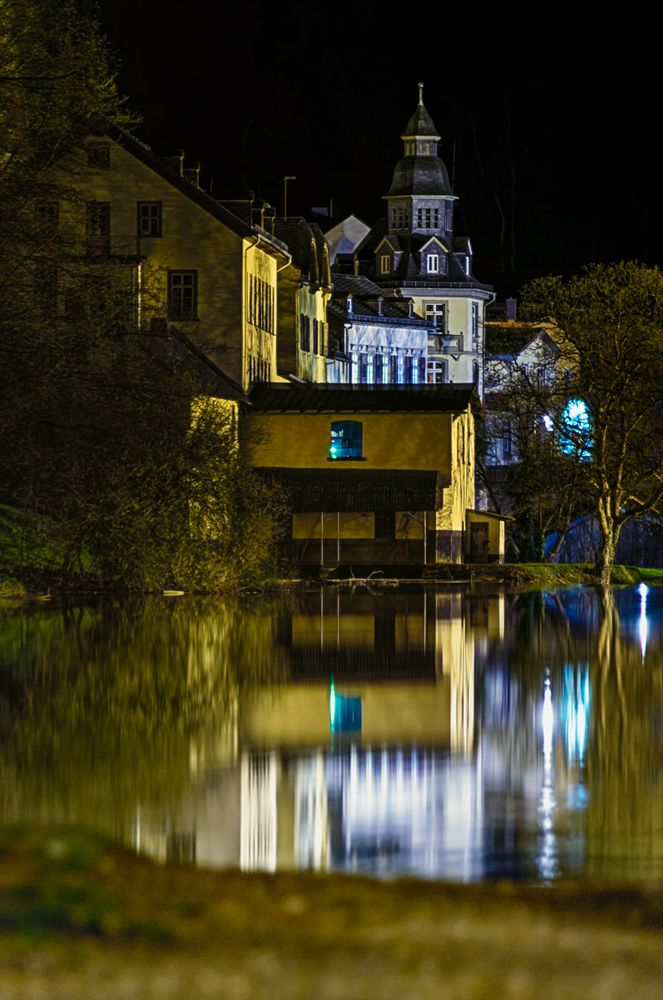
(420, 124)
(420, 175)
(312, 397)
(305, 242)
(508, 340)
(336, 490)
(196, 194)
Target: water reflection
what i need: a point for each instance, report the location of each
(443, 733)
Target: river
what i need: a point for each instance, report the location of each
(439, 732)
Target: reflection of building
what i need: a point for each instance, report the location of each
(373, 473)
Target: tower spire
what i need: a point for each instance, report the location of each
(421, 94)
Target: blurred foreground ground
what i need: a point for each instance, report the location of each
(82, 918)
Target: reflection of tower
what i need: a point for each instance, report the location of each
(258, 812)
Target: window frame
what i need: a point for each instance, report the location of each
(176, 312)
(356, 436)
(158, 218)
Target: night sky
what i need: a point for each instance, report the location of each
(555, 123)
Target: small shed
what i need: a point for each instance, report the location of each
(485, 536)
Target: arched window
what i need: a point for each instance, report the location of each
(346, 439)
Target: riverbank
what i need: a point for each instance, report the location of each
(513, 575)
(82, 917)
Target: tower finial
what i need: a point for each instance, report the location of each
(421, 93)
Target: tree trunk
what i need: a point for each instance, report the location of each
(605, 556)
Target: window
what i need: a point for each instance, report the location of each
(370, 369)
(355, 367)
(98, 155)
(261, 305)
(437, 372)
(475, 326)
(47, 217)
(97, 226)
(346, 440)
(183, 295)
(149, 218)
(437, 313)
(385, 264)
(400, 369)
(432, 263)
(304, 333)
(315, 337)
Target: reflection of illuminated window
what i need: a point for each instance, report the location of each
(344, 712)
(346, 439)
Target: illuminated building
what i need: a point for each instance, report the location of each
(414, 253)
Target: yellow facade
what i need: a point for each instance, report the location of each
(229, 269)
(434, 442)
(390, 441)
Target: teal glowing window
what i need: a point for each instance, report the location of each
(344, 712)
(345, 439)
(576, 438)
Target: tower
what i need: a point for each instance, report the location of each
(415, 253)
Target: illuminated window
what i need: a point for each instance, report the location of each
(98, 155)
(183, 295)
(577, 433)
(400, 369)
(149, 218)
(355, 367)
(370, 369)
(385, 264)
(346, 440)
(432, 263)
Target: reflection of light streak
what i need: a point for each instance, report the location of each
(643, 627)
(547, 719)
(547, 853)
(576, 711)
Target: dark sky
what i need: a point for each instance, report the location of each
(550, 127)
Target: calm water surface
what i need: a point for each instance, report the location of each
(447, 734)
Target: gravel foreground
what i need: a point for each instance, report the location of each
(82, 918)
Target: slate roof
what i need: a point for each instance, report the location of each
(298, 234)
(421, 124)
(312, 397)
(420, 175)
(354, 284)
(335, 490)
(510, 340)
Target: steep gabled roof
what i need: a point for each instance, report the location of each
(195, 194)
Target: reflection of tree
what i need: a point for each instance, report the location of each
(113, 702)
(625, 817)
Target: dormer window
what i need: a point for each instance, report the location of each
(385, 264)
(432, 263)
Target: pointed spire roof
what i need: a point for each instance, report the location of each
(420, 171)
(421, 124)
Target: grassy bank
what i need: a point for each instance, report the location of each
(83, 918)
(32, 560)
